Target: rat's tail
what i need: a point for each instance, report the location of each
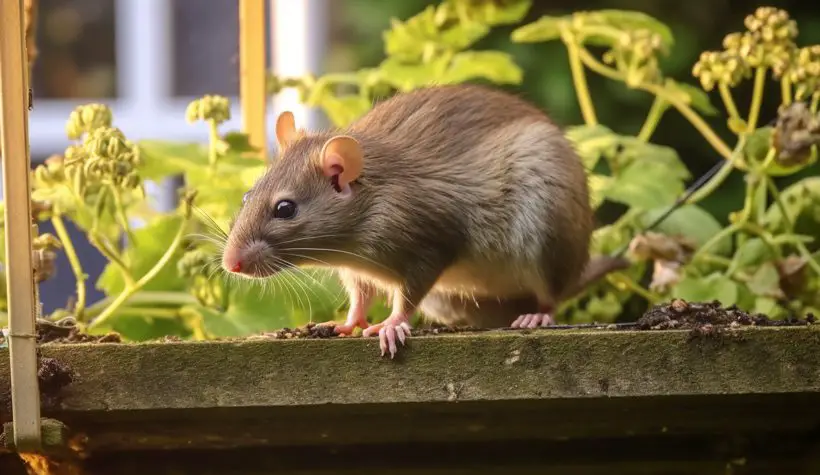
(598, 267)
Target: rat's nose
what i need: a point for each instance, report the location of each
(231, 261)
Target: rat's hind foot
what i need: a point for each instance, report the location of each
(394, 327)
(533, 320)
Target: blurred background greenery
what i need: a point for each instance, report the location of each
(698, 25)
(78, 62)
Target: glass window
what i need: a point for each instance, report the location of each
(75, 39)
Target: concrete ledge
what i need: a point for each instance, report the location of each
(489, 387)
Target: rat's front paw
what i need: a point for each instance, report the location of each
(532, 320)
(390, 330)
(346, 328)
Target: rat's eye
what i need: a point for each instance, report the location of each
(284, 209)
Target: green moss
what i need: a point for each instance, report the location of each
(470, 367)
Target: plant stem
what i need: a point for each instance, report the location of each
(815, 100)
(112, 255)
(167, 313)
(724, 233)
(580, 81)
(213, 139)
(120, 211)
(146, 297)
(133, 288)
(74, 261)
(98, 208)
(621, 279)
(804, 251)
(766, 236)
(760, 200)
(719, 145)
(786, 91)
(757, 98)
(652, 119)
(705, 130)
(728, 101)
(801, 246)
(712, 184)
(717, 180)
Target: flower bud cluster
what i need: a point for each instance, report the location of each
(805, 74)
(636, 52)
(768, 42)
(209, 108)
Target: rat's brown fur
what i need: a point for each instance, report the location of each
(465, 191)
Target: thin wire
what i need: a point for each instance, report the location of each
(682, 199)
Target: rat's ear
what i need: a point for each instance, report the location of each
(285, 129)
(341, 160)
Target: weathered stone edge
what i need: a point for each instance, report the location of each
(468, 367)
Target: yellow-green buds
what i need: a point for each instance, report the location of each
(85, 119)
(715, 67)
(805, 74)
(213, 108)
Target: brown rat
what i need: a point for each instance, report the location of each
(435, 197)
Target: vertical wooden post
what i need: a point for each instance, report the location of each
(252, 71)
(14, 149)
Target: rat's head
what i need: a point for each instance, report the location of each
(301, 209)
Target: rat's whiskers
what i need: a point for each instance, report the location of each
(352, 254)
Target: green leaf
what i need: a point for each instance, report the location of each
(597, 185)
(766, 306)
(644, 184)
(592, 142)
(715, 286)
(628, 20)
(691, 221)
(219, 198)
(239, 142)
(289, 300)
(546, 28)
(637, 150)
(776, 169)
(405, 40)
(150, 243)
(604, 309)
(496, 66)
(342, 111)
(462, 36)
(694, 96)
(802, 203)
(499, 13)
(133, 326)
(407, 76)
(751, 253)
(765, 282)
(758, 145)
(162, 159)
(59, 196)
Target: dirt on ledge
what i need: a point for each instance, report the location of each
(704, 319)
(699, 317)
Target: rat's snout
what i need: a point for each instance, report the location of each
(252, 259)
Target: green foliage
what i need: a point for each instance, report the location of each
(428, 48)
(165, 280)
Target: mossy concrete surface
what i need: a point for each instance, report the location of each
(490, 387)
